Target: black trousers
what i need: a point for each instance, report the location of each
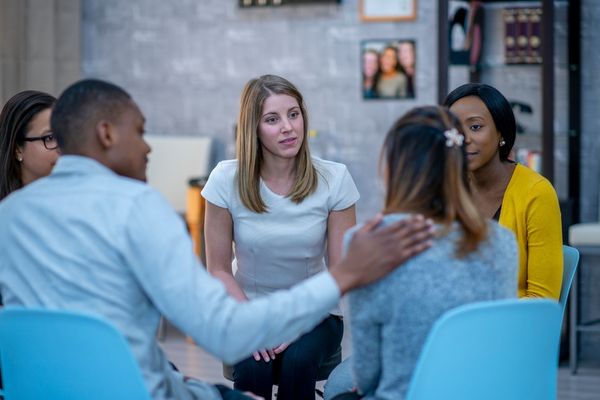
(294, 370)
(348, 396)
(229, 394)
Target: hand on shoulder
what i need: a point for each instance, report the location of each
(375, 251)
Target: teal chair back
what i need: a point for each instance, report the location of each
(65, 355)
(571, 260)
(495, 350)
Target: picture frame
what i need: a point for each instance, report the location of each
(388, 69)
(388, 10)
(277, 3)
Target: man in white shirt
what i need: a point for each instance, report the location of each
(93, 237)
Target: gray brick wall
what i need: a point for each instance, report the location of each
(590, 166)
(186, 61)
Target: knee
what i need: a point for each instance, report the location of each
(300, 359)
(339, 381)
(250, 369)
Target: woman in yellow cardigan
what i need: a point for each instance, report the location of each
(519, 198)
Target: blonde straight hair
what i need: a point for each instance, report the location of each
(427, 173)
(249, 151)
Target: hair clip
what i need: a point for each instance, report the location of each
(453, 138)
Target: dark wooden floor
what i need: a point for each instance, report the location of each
(195, 362)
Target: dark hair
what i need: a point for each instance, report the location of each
(377, 72)
(16, 115)
(497, 105)
(395, 50)
(83, 104)
(427, 172)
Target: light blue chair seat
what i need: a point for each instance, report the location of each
(495, 350)
(63, 355)
(571, 260)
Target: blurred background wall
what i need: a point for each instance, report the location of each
(186, 63)
(39, 45)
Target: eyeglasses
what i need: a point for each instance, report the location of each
(49, 140)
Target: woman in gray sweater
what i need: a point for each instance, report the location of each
(471, 259)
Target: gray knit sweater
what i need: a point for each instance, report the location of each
(391, 318)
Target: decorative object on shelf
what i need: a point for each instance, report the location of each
(520, 107)
(388, 69)
(465, 32)
(510, 35)
(522, 37)
(535, 36)
(269, 3)
(532, 159)
(388, 10)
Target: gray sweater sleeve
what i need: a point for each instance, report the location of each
(366, 344)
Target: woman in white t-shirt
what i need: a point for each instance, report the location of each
(285, 212)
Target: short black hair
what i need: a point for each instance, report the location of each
(497, 105)
(81, 106)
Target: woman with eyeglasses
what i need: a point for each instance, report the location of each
(28, 149)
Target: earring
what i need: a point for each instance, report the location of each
(20, 159)
(502, 142)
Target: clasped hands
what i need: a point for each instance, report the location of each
(269, 354)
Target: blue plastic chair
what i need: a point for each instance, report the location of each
(495, 350)
(571, 261)
(65, 356)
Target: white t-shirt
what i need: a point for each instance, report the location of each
(285, 245)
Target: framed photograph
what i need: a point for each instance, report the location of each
(387, 10)
(465, 32)
(388, 69)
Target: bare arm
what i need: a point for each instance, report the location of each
(218, 233)
(338, 223)
(218, 228)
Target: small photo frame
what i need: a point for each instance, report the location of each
(388, 69)
(388, 10)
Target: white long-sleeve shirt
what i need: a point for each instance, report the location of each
(86, 239)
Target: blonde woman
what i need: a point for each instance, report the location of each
(285, 213)
(425, 171)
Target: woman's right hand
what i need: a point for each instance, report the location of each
(266, 354)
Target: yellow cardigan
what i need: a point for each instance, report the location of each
(530, 209)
